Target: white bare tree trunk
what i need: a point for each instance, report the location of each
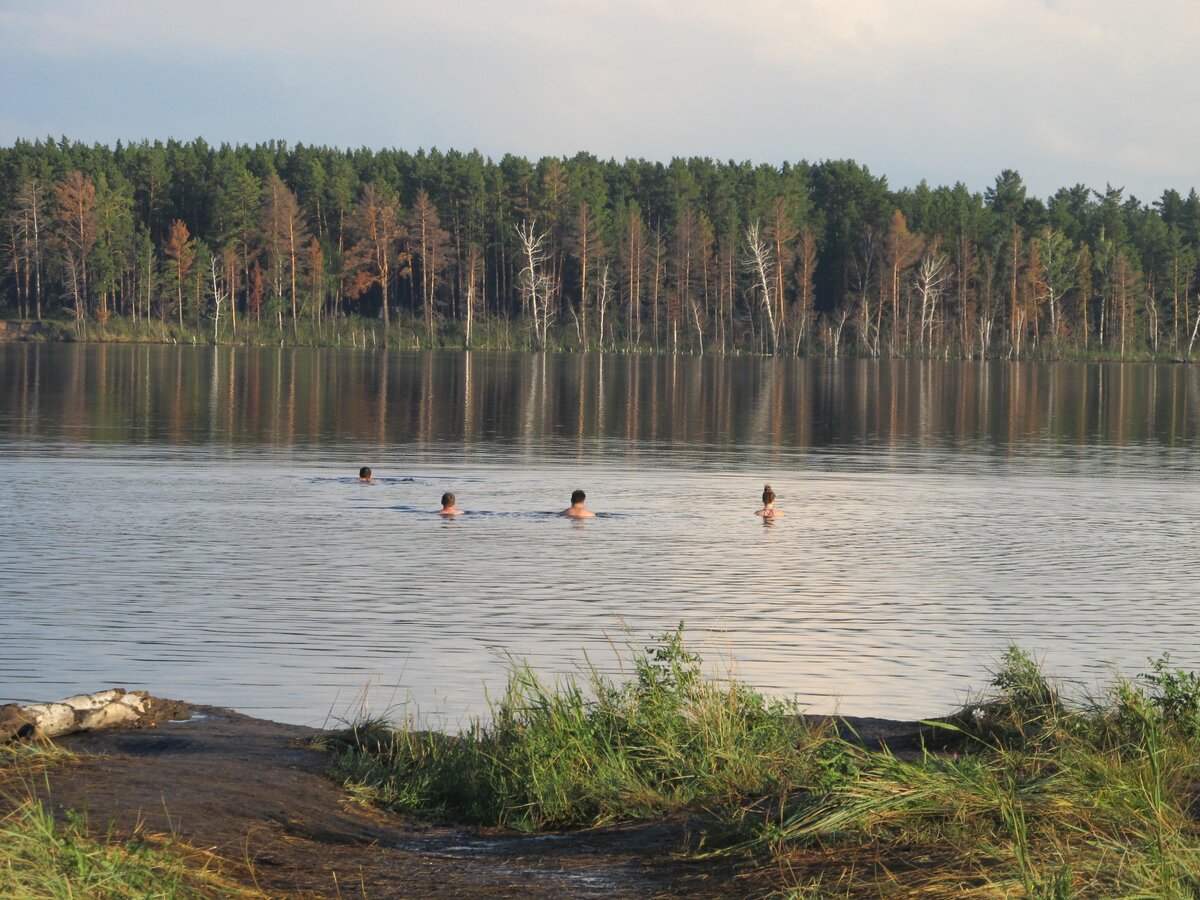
(932, 275)
(760, 263)
(534, 280)
(1195, 328)
(602, 302)
(836, 331)
(218, 299)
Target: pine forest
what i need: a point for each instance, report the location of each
(277, 243)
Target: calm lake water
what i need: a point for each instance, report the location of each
(186, 520)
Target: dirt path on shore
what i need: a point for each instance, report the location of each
(252, 792)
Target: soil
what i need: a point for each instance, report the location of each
(254, 793)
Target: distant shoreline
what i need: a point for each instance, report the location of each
(369, 336)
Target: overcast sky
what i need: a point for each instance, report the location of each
(1064, 91)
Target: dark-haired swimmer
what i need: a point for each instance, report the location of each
(576, 509)
(768, 511)
(364, 475)
(448, 506)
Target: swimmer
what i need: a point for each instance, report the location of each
(576, 510)
(364, 475)
(768, 511)
(448, 506)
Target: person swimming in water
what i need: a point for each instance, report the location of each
(576, 509)
(364, 475)
(768, 498)
(448, 509)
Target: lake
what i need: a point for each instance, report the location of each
(187, 520)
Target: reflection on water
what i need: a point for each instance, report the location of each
(188, 520)
(167, 396)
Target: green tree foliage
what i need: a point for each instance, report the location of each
(638, 254)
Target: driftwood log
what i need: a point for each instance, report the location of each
(116, 708)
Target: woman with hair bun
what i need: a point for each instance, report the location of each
(769, 511)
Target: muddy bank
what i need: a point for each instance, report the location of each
(255, 794)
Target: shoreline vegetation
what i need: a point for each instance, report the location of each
(408, 334)
(275, 243)
(1023, 793)
(1019, 794)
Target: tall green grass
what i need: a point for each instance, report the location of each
(1029, 796)
(579, 754)
(1022, 794)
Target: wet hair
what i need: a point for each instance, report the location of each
(577, 496)
(448, 500)
(364, 472)
(768, 495)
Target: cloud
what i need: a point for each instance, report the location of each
(1065, 91)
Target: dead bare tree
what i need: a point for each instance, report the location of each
(836, 326)
(603, 297)
(987, 306)
(534, 280)
(760, 263)
(473, 270)
(806, 257)
(218, 297)
(1195, 328)
(863, 275)
(930, 280)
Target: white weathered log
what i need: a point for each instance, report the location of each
(115, 708)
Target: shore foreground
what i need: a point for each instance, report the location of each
(255, 794)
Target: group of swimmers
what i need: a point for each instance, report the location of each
(577, 510)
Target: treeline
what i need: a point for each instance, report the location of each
(691, 256)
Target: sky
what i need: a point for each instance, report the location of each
(1096, 92)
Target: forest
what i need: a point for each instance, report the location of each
(276, 243)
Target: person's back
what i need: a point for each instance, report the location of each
(768, 510)
(448, 509)
(576, 510)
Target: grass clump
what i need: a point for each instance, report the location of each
(42, 856)
(1029, 797)
(565, 754)
(1023, 794)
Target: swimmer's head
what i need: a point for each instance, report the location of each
(577, 497)
(768, 495)
(365, 473)
(448, 500)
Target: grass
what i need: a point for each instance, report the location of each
(561, 755)
(1022, 794)
(44, 856)
(1029, 796)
